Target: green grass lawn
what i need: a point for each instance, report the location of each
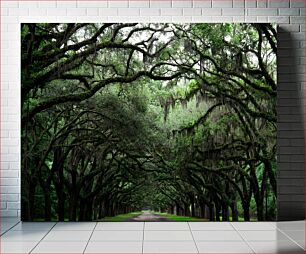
(179, 218)
(122, 217)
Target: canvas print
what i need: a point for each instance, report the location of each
(148, 122)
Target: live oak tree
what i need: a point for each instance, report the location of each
(118, 117)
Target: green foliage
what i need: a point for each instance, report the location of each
(118, 117)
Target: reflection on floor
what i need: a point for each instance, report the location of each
(152, 237)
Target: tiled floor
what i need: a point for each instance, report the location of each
(152, 237)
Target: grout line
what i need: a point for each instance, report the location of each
(90, 237)
(42, 238)
(290, 238)
(10, 228)
(193, 237)
(245, 241)
(143, 232)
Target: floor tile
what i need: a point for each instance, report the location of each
(33, 226)
(167, 236)
(253, 226)
(223, 247)
(120, 226)
(114, 247)
(297, 236)
(257, 235)
(5, 226)
(105, 236)
(60, 247)
(221, 226)
(169, 247)
(17, 247)
(23, 236)
(166, 226)
(69, 226)
(291, 225)
(69, 236)
(276, 247)
(216, 236)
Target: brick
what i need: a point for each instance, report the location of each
(150, 12)
(278, 3)
(92, 12)
(4, 12)
(47, 4)
(9, 213)
(294, 198)
(139, 19)
(160, 3)
(128, 11)
(76, 12)
(222, 3)
(37, 12)
(118, 4)
(279, 20)
(9, 173)
(27, 4)
(201, 19)
(180, 19)
(159, 19)
(192, 11)
(233, 12)
(291, 150)
(262, 3)
(290, 27)
(172, 12)
(297, 3)
(9, 20)
(10, 189)
(202, 3)
(8, 181)
(291, 174)
(92, 4)
(238, 3)
(250, 19)
(250, 4)
(108, 12)
(297, 20)
(9, 4)
(139, 4)
(18, 12)
(262, 12)
(183, 4)
(211, 12)
(222, 19)
(2, 205)
(288, 11)
(291, 182)
(291, 189)
(56, 12)
(66, 4)
(9, 197)
(13, 205)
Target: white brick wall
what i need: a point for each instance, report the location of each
(288, 13)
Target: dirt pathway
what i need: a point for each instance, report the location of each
(149, 216)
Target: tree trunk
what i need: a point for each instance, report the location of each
(47, 205)
(211, 212)
(234, 211)
(202, 210)
(246, 211)
(225, 213)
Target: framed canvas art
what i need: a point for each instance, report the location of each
(148, 122)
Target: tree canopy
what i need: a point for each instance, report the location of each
(175, 117)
